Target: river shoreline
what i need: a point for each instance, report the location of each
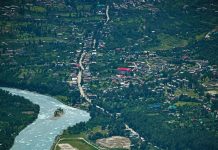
(41, 134)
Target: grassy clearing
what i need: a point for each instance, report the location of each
(168, 42)
(99, 129)
(189, 92)
(38, 9)
(180, 104)
(77, 140)
(91, 19)
(62, 98)
(128, 21)
(77, 143)
(200, 36)
(84, 7)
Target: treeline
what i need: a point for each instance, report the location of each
(207, 49)
(15, 114)
(52, 89)
(157, 131)
(109, 126)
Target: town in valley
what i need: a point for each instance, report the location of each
(145, 70)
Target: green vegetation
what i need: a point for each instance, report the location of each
(16, 113)
(61, 98)
(180, 104)
(168, 42)
(58, 112)
(168, 50)
(189, 92)
(76, 143)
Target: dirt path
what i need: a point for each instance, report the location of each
(79, 79)
(107, 14)
(149, 66)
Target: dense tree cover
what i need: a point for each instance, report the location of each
(159, 123)
(47, 47)
(38, 72)
(15, 114)
(193, 24)
(207, 49)
(110, 126)
(215, 104)
(172, 137)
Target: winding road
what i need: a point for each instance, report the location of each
(107, 14)
(149, 66)
(79, 78)
(83, 94)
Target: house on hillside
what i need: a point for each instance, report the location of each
(124, 71)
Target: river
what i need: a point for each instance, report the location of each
(41, 134)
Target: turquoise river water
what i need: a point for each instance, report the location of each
(41, 134)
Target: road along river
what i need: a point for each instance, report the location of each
(41, 134)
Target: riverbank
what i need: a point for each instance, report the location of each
(19, 118)
(42, 132)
